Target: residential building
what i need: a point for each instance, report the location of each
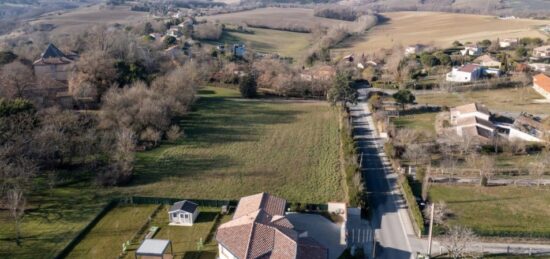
(541, 84)
(466, 73)
(413, 49)
(542, 52)
(472, 120)
(183, 213)
(508, 43)
(54, 64)
(324, 73)
(529, 128)
(540, 67)
(471, 50)
(488, 61)
(259, 229)
(238, 50)
(174, 31)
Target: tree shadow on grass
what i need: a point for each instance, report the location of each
(206, 216)
(199, 255)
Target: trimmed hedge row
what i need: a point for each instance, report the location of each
(411, 202)
(352, 170)
(67, 249)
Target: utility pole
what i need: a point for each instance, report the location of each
(430, 231)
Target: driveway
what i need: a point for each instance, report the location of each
(321, 229)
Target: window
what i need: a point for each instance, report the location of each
(186, 216)
(174, 215)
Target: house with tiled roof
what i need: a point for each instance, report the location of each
(488, 61)
(466, 73)
(259, 229)
(54, 63)
(472, 120)
(541, 84)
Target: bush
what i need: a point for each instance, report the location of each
(248, 86)
(174, 133)
(7, 57)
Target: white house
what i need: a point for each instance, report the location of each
(183, 213)
(542, 52)
(466, 73)
(471, 50)
(508, 43)
(539, 67)
(472, 120)
(413, 49)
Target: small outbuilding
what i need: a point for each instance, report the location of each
(183, 213)
(155, 248)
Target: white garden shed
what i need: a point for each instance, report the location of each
(183, 213)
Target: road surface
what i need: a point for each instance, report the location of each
(389, 214)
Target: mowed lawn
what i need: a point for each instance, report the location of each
(497, 209)
(423, 122)
(284, 43)
(106, 238)
(235, 147)
(52, 219)
(497, 100)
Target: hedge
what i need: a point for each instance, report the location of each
(411, 202)
(356, 190)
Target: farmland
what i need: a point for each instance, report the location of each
(284, 43)
(235, 147)
(497, 100)
(81, 19)
(510, 209)
(432, 28)
(277, 16)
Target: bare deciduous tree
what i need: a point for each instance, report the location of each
(15, 78)
(457, 241)
(441, 212)
(16, 203)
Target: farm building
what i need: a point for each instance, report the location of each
(414, 49)
(54, 64)
(259, 229)
(540, 67)
(541, 84)
(183, 213)
(466, 73)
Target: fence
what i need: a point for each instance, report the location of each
(67, 249)
(170, 201)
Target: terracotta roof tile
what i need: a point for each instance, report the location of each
(543, 81)
(270, 204)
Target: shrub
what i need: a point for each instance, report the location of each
(7, 57)
(174, 133)
(411, 202)
(248, 86)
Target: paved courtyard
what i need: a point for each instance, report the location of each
(321, 229)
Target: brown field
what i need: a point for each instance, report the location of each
(440, 30)
(274, 15)
(81, 19)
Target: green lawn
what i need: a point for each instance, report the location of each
(423, 122)
(284, 43)
(502, 209)
(235, 147)
(508, 99)
(52, 219)
(106, 238)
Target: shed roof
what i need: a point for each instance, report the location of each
(153, 247)
(469, 68)
(185, 205)
(471, 107)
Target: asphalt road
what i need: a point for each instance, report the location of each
(389, 216)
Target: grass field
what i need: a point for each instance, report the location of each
(52, 219)
(235, 147)
(81, 19)
(424, 122)
(439, 29)
(497, 100)
(106, 238)
(273, 15)
(284, 43)
(499, 209)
